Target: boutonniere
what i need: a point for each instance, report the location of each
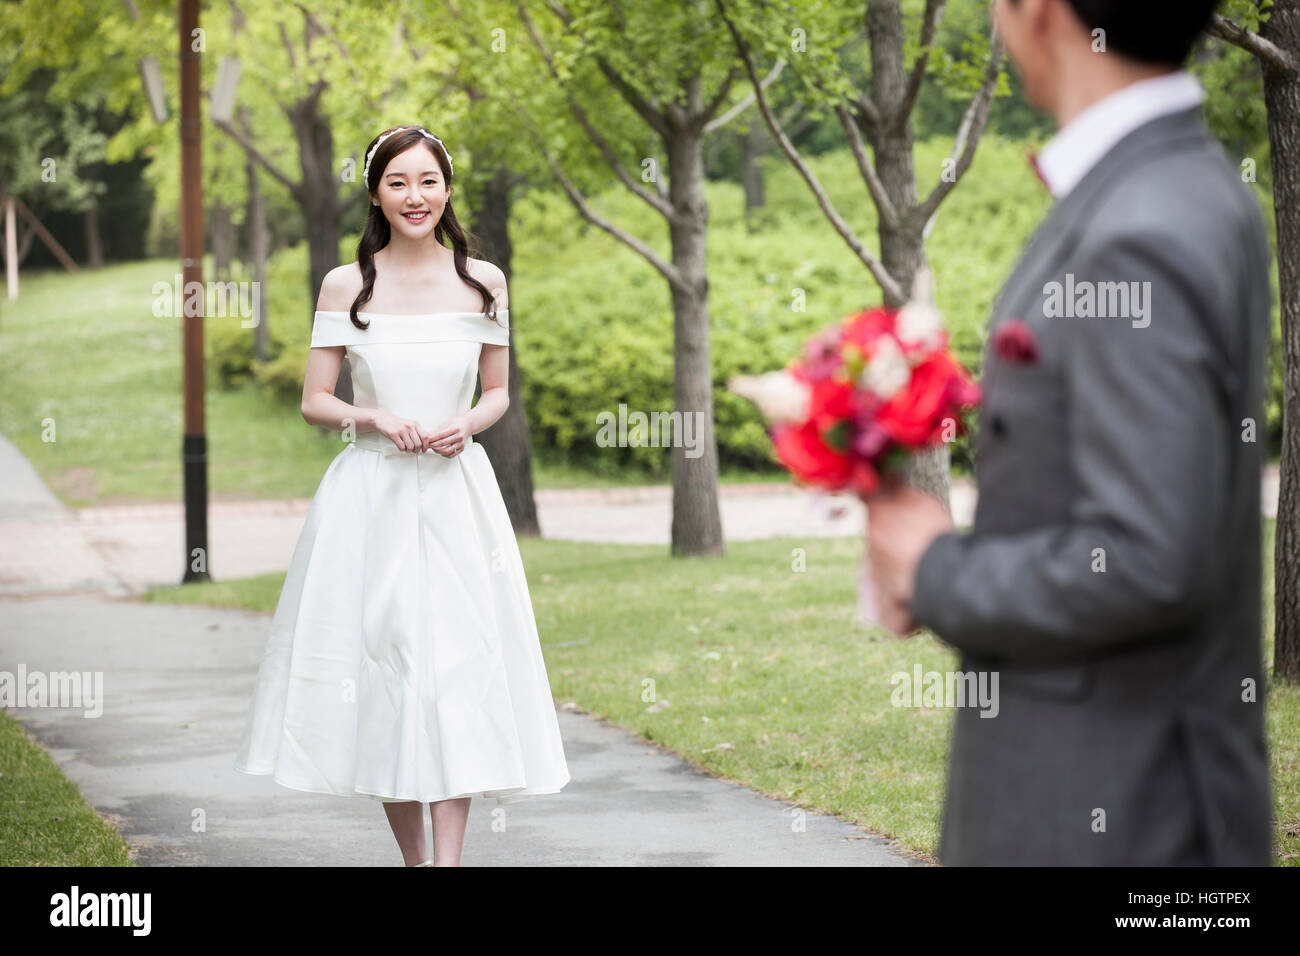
(1014, 341)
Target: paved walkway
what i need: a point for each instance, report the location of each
(177, 681)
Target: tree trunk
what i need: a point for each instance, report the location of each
(94, 246)
(26, 243)
(259, 251)
(223, 240)
(10, 244)
(1282, 97)
(902, 248)
(318, 198)
(507, 442)
(753, 144)
(696, 522)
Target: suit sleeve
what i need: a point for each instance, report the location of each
(1149, 441)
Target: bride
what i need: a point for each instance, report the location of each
(403, 662)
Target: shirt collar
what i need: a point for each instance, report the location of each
(1072, 152)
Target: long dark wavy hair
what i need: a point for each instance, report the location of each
(378, 232)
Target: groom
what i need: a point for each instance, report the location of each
(1112, 576)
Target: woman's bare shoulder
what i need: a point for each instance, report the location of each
(339, 288)
(491, 276)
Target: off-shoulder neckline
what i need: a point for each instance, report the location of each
(405, 315)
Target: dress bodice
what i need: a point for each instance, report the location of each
(422, 367)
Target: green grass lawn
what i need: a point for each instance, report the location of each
(44, 821)
(760, 674)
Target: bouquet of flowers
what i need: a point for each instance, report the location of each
(865, 394)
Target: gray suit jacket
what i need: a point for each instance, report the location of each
(1112, 575)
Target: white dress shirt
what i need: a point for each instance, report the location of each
(1066, 159)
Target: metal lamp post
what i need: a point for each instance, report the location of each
(194, 446)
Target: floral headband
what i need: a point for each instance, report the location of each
(365, 175)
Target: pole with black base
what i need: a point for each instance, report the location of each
(194, 453)
(194, 447)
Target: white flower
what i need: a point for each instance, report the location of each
(887, 372)
(779, 396)
(919, 322)
(920, 325)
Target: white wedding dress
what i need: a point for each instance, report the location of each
(403, 661)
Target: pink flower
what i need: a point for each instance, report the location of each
(822, 355)
(869, 441)
(1014, 341)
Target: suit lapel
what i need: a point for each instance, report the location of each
(1051, 242)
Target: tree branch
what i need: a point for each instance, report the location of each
(357, 198)
(745, 102)
(669, 271)
(288, 48)
(865, 105)
(867, 109)
(256, 154)
(313, 23)
(1270, 54)
(888, 214)
(720, 97)
(969, 133)
(929, 24)
(648, 108)
(660, 205)
(887, 282)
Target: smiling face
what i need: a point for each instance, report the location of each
(412, 192)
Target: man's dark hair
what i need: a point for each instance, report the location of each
(1152, 31)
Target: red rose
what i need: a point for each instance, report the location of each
(802, 450)
(1014, 341)
(916, 415)
(829, 402)
(864, 328)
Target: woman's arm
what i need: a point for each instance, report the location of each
(493, 366)
(494, 373)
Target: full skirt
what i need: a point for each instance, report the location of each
(403, 661)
